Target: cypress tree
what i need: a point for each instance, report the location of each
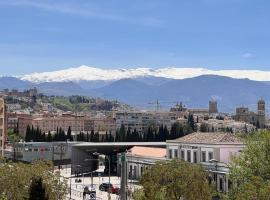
(37, 190)
(28, 134)
(92, 136)
(49, 137)
(69, 136)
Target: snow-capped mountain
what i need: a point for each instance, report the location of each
(85, 73)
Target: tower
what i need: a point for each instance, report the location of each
(261, 113)
(213, 107)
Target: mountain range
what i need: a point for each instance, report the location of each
(142, 86)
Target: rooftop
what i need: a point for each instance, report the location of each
(148, 152)
(210, 138)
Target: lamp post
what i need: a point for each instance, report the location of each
(215, 162)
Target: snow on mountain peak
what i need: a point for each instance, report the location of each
(85, 73)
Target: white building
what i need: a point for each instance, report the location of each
(213, 150)
(139, 158)
(142, 120)
(216, 125)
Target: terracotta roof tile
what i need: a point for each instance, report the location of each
(148, 152)
(210, 138)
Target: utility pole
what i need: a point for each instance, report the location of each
(123, 189)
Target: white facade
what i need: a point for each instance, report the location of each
(214, 156)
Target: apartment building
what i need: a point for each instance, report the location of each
(48, 123)
(216, 125)
(2, 126)
(142, 120)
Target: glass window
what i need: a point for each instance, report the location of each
(195, 157)
(203, 156)
(175, 153)
(210, 155)
(220, 184)
(183, 154)
(170, 154)
(188, 156)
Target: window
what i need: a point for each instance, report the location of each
(188, 156)
(220, 184)
(195, 157)
(183, 154)
(210, 155)
(175, 153)
(130, 171)
(203, 156)
(170, 154)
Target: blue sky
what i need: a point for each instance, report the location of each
(46, 35)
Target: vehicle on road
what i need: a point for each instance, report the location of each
(109, 188)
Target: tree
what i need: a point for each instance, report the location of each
(254, 189)
(69, 136)
(251, 169)
(122, 133)
(49, 137)
(37, 190)
(191, 122)
(174, 180)
(16, 179)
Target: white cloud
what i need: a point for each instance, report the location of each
(84, 11)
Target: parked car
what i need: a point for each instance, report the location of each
(109, 188)
(78, 180)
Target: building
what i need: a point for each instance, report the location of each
(18, 121)
(257, 119)
(213, 107)
(58, 152)
(139, 158)
(213, 150)
(226, 125)
(46, 123)
(3, 129)
(142, 120)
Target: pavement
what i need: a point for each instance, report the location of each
(77, 188)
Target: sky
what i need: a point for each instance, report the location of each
(47, 35)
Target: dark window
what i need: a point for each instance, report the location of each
(195, 157)
(210, 155)
(220, 184)
(188, 156)
(203, 156)
(183, 154)
(175, 153)
(170, 154)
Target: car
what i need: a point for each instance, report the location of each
(108, 187)
(78, 180)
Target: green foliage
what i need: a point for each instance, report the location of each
(174, 180)
(14, 136)
(251, 169)
(16, 179)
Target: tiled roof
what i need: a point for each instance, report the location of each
(148, 152)
(210, 138)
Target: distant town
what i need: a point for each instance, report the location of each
(63, 129)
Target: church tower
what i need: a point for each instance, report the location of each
(261, 113)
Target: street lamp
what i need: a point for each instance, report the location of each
(215, 162)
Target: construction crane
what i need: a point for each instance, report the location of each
(158, 103)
